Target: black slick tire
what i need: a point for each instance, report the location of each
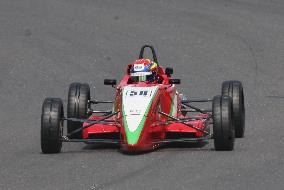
(51, 125)
(234, 89)
(223, 128)
(77, 106)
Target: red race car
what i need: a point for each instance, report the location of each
(148, 112)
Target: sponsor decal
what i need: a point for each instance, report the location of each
(138, 67)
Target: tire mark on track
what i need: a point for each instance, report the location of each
(275, 97)
(252, 53)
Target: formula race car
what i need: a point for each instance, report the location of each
(147, 113)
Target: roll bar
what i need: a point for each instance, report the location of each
(141, 55)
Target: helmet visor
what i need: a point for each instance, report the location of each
(141, 76)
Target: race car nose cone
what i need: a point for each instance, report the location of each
(136, 147)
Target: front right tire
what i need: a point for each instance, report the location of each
(51, 125)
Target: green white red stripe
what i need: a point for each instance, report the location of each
(136, 103)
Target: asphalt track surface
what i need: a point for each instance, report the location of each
(46, 45)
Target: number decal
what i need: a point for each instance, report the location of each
(139, 93)
(133, 93)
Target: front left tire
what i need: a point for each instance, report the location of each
(223, 128)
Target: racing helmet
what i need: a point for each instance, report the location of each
(144, 70)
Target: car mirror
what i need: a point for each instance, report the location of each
(169, 71)
(174, 81)
(110, 82)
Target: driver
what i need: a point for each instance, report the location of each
(144, 70)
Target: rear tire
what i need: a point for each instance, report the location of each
(223, 127)
(51, 125)
(234, 89)
(77, 106)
